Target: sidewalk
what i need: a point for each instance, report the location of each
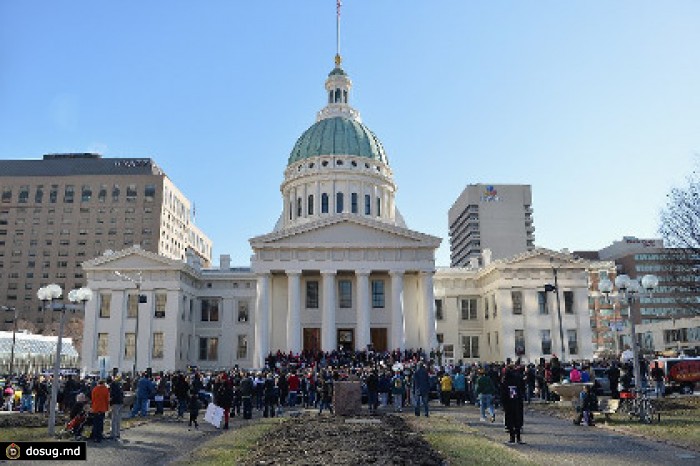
(554, 441)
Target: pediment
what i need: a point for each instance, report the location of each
(346, 232)
(542, 257)
(131, 259)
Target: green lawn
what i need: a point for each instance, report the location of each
(23, 434)
(461, 444)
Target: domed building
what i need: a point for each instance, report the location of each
(341, 269)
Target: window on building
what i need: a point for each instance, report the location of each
(299, 210)
(102, 194)
(132, 306)
(157, 345)
(131, 191)
(86, 193)
(470, 347)
(495, 306)
(353, 203)
(345, 294)
(312, 294)
(129, 345)
(210, 310)
(379, 207)
(102, 344)
(115, 193)
(69, 194)
(39, 194)
(468, 308)
(519, 342)
(438, 310)
(23, 194)
(339, 203)
(105, 304)
(569, 302)
(377, 293)
(161, 303)
(486, 307)
(6, 195)
(243, 311)
(517, 298)
(149, 192)
(448, 351)
(546, 337)
(242, 347)
(572, 337)
(310, 205)
(53, 194)
(368, 204)
(542, 302)
(324, 203)
(440, 338)
(208, 348)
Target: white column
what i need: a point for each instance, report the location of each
(328, 330)
(430, 337)
(294, 311)
(398, 329)
(362, 337)
(262, 320)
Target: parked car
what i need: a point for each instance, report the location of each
(602, 381)
(680, 374)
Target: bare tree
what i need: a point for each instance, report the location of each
(680, 228)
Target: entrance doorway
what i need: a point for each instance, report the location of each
(346, 338)
(379, 339)
(312, 339)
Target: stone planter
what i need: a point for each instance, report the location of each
(569, 392)
(347, 398)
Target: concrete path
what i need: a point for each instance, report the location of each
(554, 441)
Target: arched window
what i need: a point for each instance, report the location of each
(298, 207)
(291, 210)
(337, 96)
(368, 204)
(324, 203)
(353, 203)
(310, 205)
(379, 207)
(339, 203)
(330, 97)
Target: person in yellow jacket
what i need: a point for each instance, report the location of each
(446, 389)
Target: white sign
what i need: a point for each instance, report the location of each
(214, 415)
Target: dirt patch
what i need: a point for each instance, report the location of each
(312, 440)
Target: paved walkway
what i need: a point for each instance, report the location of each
(554, 441)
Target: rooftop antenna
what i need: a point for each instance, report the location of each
(338, 59)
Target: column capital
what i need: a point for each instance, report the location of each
(292, 272)
(363, 272)
(397, 273)
(329, 272)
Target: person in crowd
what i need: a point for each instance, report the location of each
(223, 396)
(294, 387)
(446, 389)
(100, 406)
(512, 390)
(181, 389)
(575, 375)
(9, 395)
(485, 390)
(247, 393)
(41, 390)
(421, 389)
(160, 394)
(384, 388)
(116, 400)
(657, 375)
(397, 390)
(614, 376)
(25, 404)
(460, 386)
(588, 402)
(325, 393)
(530, 381)
(271, 394)
(372, 383)
(78, 416)
(193, 408)
(144, 389)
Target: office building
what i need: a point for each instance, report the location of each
(493, 217)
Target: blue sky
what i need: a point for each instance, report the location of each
(595, 104)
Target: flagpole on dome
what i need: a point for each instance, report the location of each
(338, 59)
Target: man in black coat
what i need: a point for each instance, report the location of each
(512, 391)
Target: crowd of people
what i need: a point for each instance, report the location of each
(389, 380)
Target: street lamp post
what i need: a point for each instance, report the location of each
(50, 296)
(14, 336)
(629, 290)
(137, 282)
(555, 289)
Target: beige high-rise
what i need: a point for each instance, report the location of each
(64, 209)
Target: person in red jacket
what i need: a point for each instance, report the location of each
(293, 383)
(100, 405)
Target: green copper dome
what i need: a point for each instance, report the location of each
(338, 136)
